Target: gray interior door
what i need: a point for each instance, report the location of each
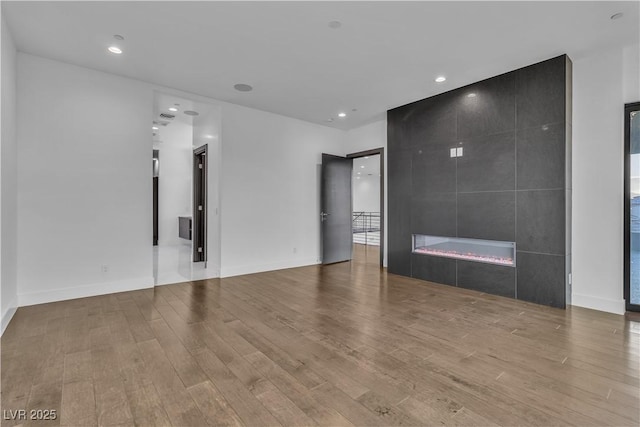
(335, 215)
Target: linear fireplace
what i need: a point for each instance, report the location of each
(487, 251)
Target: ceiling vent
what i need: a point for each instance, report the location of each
(161, 122)
(167, 116)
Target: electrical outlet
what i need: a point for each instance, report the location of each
(104, 268)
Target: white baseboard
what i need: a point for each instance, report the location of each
(250, 269)
(8, 315)
(601, 304)
(62, 294)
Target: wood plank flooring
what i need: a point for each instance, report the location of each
(341, 345)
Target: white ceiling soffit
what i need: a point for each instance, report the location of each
(384, 54)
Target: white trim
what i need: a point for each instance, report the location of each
(61, 294)
(8, 315)
(602, 304)
(250, 269)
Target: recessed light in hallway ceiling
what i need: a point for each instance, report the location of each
(115, 49)
(174, 109)
(243, 87)
(342, 115)
(440, 79)
(617, 16)
(191, 113)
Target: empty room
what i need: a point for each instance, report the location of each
(367, 213)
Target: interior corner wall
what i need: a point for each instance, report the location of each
(603, 83)
(84, 182)
(8, 181)
(368, 137)
(270, 190)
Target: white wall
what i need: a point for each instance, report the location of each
(85, 189)
(602, 83)
(270, 189)
(175, 179)
(8, 181)
(84, 182)
(367, 137)
(366, 193)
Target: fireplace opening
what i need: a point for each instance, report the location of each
(478, 250)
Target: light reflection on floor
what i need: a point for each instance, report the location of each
(172, 264)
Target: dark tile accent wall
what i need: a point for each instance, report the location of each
(495, 153)
(512, 182)
(541, 221)
(493, 279)
(487, 215)
(399, 219)
(434, 269)
(541, 278)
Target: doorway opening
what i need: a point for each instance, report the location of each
(200, 204)
(186, 157)
(632, 207)
(366, 202)
(351, 218)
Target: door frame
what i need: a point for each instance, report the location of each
(628, 108)
(374, 152)
(197, 153)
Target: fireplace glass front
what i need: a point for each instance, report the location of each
(487, 251)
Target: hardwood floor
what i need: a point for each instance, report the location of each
(346, 344)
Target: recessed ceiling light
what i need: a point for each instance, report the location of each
(357, 177)
(366, 157)
(617, 15)
(118, 37)
(342, 114)
(471, 95)
(191, 113)
(335, 24)
(440, 79)
(154, 127)
(209, 136)
(358, 173)
(115, 49)
(362, 167)
(243, 87)
(174, 109)
(330, 119)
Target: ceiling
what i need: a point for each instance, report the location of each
(371, 166)
(204, 126)
(385, 54)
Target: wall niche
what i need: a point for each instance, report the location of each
(489, 161)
